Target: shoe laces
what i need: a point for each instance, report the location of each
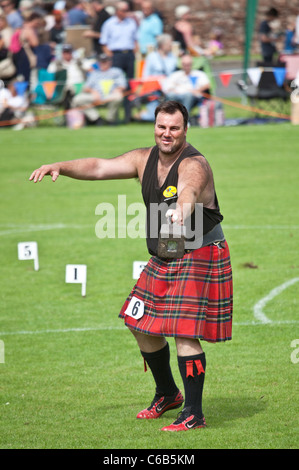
(184, 414)
(155, 401)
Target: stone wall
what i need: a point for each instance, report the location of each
(229, 15)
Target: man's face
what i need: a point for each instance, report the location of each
(170, 133)
(147, 9)
(67, 56)
(105, 64)
(166, 46)
(187, 65)
(122, 11)
(7, 7)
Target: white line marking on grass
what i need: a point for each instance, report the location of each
(259, 306)
(62, 330)
(123, 328)
(261, 227)
(11, 229)
(40, 228)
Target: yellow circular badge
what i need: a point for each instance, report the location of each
(170, 191)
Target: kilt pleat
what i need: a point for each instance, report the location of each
(188, 297)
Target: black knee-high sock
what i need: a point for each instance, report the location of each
(159, 364)
(192, 369)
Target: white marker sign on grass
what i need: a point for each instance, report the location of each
(28, 250)
(76, 274)
(138, 267)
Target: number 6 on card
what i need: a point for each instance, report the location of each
(135, 308)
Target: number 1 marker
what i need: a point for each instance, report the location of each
(76, 274)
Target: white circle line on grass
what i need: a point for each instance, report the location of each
(61, 330)
(259, 306)
(257, 310)
(11, 229)
(122, 328)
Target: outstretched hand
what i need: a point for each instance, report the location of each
(44, 170)
(174, 216)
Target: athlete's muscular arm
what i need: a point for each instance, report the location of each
(194, 179)
(128, 165)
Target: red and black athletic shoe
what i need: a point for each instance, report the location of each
(186, 421)
(161, 404)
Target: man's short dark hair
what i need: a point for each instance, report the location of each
(171, 107)
(272, 12)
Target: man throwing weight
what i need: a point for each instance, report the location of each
(188, 298)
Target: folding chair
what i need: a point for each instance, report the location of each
(145, 90)
(50, 89)
(267, 91)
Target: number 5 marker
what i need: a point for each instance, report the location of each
(76, 274)
(28, 250)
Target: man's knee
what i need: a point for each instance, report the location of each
(188, 346)
(148, 343)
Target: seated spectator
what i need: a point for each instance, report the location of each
(75, 74)
(215, 45)
(151, 26)
(213, 48)
(104, 88)
(160, 63)
(186, 85)
(13, 106)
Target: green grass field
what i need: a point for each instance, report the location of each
(71, 374)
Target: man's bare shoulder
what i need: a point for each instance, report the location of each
(141, 156)
(195, 172)
(142, 152)
(196, 163)
(127, 165)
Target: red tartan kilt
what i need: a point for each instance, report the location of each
(188, 297)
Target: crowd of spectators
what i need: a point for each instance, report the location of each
(127, 41)
(127, 36)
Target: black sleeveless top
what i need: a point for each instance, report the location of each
(154, 195)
